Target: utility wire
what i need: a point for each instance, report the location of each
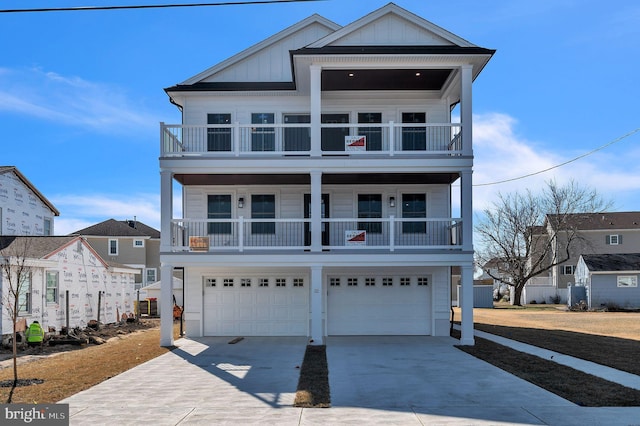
(150, 6)
(566, 162)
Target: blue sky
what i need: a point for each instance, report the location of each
(81, 93)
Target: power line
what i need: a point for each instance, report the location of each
(618, 139)
(150, 6)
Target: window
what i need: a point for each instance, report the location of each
(219, 207)
(227, 282)
(627, 281)
(414, 206)
(405, 281)
(281, 282)
(370, 206)
(414, 138)
(262, 138)
(334, 282)
(151, 276)
(138, 243)
(264, 282)
(387, 281)
(297, 138)
(423, 280)
(219, 138)
(245, 282)
(113, 247)
(48, 228)
(568, 269)
(352, 282)
(332, 138)
(24, 295)
(298, 282)
(52, 287)
(373, 134)
(614, 240)
(209, 282)
(370, 282)
(263, 207)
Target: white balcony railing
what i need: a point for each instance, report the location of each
(390, 234)
(295, 139)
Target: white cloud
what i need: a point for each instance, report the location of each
(80, 211)
(71, 101)
(501, 154)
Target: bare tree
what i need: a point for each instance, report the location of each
(15, 271)
(528, 234)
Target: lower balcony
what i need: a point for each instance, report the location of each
(353, 234)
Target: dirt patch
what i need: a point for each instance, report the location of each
(313, 385)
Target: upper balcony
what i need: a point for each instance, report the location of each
(294, 139)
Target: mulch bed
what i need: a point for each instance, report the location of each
(576, 386)
(313, 384)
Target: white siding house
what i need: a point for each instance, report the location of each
(23, 209)
(316, 172)
(66, 281)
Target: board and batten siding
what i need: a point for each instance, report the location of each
(343, 199)
(241, 107)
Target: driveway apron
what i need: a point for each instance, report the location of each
(206, 380)
(428, 376)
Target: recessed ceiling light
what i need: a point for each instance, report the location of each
(417, 74)
(351, 74)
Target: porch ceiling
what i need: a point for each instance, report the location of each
(385, 79)
(327, 179)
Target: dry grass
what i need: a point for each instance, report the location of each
(606, 338)
(70, 372)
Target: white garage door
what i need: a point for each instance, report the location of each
(379, 306)
(256, 306)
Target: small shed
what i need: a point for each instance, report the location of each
(152, 291)
(610, 279)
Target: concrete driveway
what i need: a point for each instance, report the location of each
(374, 380)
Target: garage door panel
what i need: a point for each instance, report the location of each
(255, 311)
(379, 310)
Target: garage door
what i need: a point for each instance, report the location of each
(379, 306)
(235, 306)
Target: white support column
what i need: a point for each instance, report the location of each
(466, 209)
(466, 281)
(317, 306)
(166, 305)
(316, 210)
(466, 111)
(315, 110)
(166, 210)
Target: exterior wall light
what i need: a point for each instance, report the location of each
(240, 202)
(392, 201)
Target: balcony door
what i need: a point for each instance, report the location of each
(414, 138)
(333, 137)
(219, 138)
(297, 138)
(324, 214)
(373, 134)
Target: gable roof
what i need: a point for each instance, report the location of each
(424, 32)
(602, 221)
(362, 37)
(313, 20)
(116, 228)
(13, 169)
(39, 247)
(612, 262)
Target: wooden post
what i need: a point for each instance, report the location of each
(99, 303)
(66, 311)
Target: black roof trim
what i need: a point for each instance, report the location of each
(389, 50)
(232, 87)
